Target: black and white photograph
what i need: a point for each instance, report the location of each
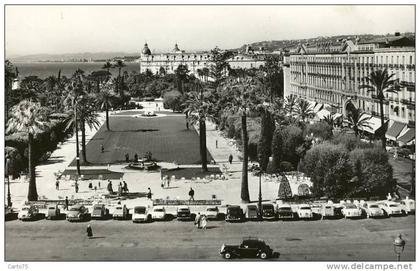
(150, 134)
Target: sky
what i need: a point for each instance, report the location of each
(76, 29)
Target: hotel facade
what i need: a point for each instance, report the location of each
(330, 74)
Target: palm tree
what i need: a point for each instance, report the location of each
(107, 66)
(119, 64)
(329, 119)
(290, 103)
(358, 120)
(197, 110)
(303, 110)
(181, 75)
(87, 116)
(244, 97)
(380, 82)
(105, 99)
(27, 117)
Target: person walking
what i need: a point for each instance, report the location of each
(119, 189)
(203, 222)
(230, 158)
(127, 158)
(76, 187)
(102, 148)
(149, 193)
(109, 187)
(197, 220)
(66, 202)
(89, 231)
(125, 187)
(136, 158)
(57, 184)
(191, 194)
(216, 143)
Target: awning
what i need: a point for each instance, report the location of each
(323, 113)
(394, 130)
(311, 105)
(318, 107)
(408, 136)
(373, 122)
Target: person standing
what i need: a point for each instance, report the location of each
(89, 231)
(127, 158)
(197, 220)
(125, 187)
(102, 148)
(216, 143)
(57, 184)
(119, 189)
(76, 187)
(203, 222)
(149, 193)
(66, 202)
(136, 158)
(191, 194)
(230, 158)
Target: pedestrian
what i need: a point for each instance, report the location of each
(191, 193)
(99, 184)
(125, 187)
(203, 222)
(119, 189)
(109, 187)
(127, 158)
(102, 148)
(230, 158)
(89, 231)
(168, 181)
(149, 193)
(136, 158)
(90, 185)
(216, 143)
(76, 187)
(57, 184)
(66, 202)
(197, 220)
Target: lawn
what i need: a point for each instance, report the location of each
(166, 137)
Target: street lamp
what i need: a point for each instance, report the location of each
(9, 197)
(259, 172)
(399, 245)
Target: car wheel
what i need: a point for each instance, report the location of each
(227, 255)
(263, 255)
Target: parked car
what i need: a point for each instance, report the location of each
(53, 212)
(284, 212)
(351, 211)
(408, 206)
(120, 212)
(317, 210)
(250, 248)
(327, 211)
(99, 211)
(77, 212)
(338, 210)
(268, 212)
(212, 212)
(234, 213)
(9, 214)
(158, 213)
(141, 214)
(28, 213)
(304, 211)
(391, 208)
(183, 213)
(251, 212)
(372, 209)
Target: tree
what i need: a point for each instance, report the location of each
(105, 98)
(197, 110)
(119, 65)
(358, 121)
(380, 82)
(274, 75)
(173, 100)
(99, 77)
(290, 104)
(27, 117)
(107, 66)
(87, 116)
(243, 97)
(266, 137)
(320, 130)
(285, 192)
(219, 66)
(303, 111)
(286, 140)
(181, 76)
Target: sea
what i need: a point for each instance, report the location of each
(46, 69)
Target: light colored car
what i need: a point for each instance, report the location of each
(120, 212)
(158, 213)
(251, 212)
(372, 209)
(53, 212)
(391, 208)
(141, 214)
(28, 213)
(327, 211)
(212, 212)
(99, 211)
(77, 212)
(304, 211)
(408, 206)
(351, 211)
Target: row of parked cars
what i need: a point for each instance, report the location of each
(234, 213)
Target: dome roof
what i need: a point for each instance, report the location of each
(146, 50)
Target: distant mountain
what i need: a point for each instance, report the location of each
(70, 57)
(287, 44)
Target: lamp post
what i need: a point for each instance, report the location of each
(9, 197)
(259, 172)
(399, 245)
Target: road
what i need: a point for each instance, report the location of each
(328, 240)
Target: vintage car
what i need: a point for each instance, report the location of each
(304, 211)
(141, 214)
(53, 212)
(28, 213)
(120, 212)
(284, 211)
(99, 211)
(391, 208)
(250, 248)
(251, 212)
(408, 206)
(9, 214)
(234, 213)
(183, 213)
(77, 212)
(212, 212)
(268, 212)
(350, 210)
(372, 209)
(158, 213)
